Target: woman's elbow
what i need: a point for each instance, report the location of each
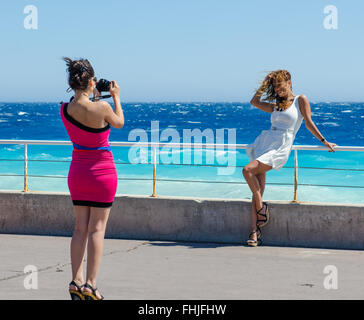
(121, 124)
(309, 125)
(118, 124)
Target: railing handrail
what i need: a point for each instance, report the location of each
(156, 145)
(179, 145)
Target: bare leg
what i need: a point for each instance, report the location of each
(96, 234)
(261, 180)
(78, 242)
(254, 174)
(251, 172)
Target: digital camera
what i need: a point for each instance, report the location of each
(103, 85)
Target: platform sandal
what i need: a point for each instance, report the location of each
(91, 295)
(76, 294)
(265, 215)
(258, 242)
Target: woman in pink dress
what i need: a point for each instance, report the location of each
(92, 177)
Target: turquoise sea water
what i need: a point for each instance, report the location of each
(342, 180)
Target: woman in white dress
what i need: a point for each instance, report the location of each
(272, 147)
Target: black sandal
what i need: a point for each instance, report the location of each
(91, 295)
(76, 294)
(265, 215)
(258, 242)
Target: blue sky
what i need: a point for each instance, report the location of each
(185, 50)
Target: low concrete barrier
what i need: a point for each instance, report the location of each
(323, 225)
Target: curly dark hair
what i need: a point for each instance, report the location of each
(267, 88)
(79, 73)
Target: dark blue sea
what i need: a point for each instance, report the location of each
(322, 176)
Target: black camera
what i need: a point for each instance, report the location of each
(103, 85)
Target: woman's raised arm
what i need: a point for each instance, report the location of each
(255, 101)
(264, 106)
(116, 119)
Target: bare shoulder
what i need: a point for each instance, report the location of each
(302, 99)
(303, 102)
(304, 106)
(103, 106)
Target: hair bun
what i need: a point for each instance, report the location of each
(77, 65)
(80, 72)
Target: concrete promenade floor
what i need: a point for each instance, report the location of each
(141, 269)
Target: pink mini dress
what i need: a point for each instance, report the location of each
(92, 176)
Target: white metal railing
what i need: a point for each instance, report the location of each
(156, 145)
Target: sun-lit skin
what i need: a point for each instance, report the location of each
(277, 88)
(90, 221)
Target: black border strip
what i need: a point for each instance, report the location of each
(80, 125)
(92, 203)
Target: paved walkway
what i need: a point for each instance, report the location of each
(137, 269)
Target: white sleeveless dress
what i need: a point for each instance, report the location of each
(273, 146)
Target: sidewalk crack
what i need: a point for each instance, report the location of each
(60, 266)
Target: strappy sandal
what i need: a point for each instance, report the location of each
(76, 294)
(91, 295)
(265, 215)
(258, 242)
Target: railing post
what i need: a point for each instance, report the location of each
(154, 172)
(25, 168)
(295, 176)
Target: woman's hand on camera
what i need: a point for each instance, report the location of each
(114, 89)
(96, 93)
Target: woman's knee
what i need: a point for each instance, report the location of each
(81, 230)
(98, 219)
(247, 170)
(97, 226)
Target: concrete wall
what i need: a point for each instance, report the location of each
(186, 219)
